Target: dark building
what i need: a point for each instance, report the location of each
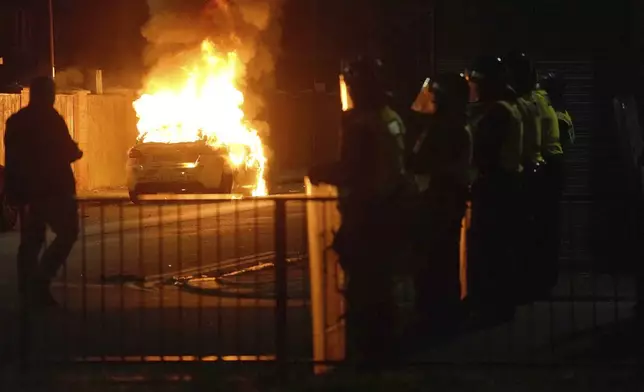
(24, 42)
(595, 46)
(102, 35)
(88, 35)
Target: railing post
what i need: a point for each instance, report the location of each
(24, 317)
(281, 291)
(24, 338)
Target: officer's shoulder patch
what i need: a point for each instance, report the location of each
(394, 128)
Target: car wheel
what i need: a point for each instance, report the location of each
(134, 197)
(8, 215)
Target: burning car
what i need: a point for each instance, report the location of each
(8, 215)
(189, 167)
(193, 135)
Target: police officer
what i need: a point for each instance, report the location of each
(497, 133)
(550, 99)
(553, 86)
(369, 176)
(440, 161)
(523, 79)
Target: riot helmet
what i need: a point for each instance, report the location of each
(554, 86)
(487, 78)
(364, 82)
(521, 72)
(447, 93)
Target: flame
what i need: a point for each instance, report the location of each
(345, 98)
(205, 105)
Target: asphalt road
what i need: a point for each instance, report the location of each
(119, 292)
(122, 297)
(154, 242)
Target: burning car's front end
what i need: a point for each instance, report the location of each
(192, 131)
(193, 167)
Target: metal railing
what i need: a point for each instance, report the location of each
(175, 280)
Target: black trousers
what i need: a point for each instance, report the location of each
(437, 282)
(550, 223)
(366, 254)
(495, 242)
(61, 215)
(532, 233)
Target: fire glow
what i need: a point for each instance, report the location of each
(205, 105)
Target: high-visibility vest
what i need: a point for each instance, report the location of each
(550, 134)
(566, 126)
(386, 132)
(531, 130)
(457, 168)
(512, 148)
(396, 129)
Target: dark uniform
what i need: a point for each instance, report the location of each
(557, 122)
(523, 79)
(370, 178)
(497, 133)
(39, 151)
(440, 162)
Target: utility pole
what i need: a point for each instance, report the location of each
(51, 39)
(433, 60)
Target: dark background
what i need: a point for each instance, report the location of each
(316, 34)
(597, 46)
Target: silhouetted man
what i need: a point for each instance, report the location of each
(39, 180)
(440, 161)
(370, 180)
(497, 149)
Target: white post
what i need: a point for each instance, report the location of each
(51, 40)
(327, 303)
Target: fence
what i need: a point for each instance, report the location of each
(105, 128)
(176, 280)
(103, 125)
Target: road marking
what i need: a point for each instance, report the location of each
(10, 241)
(198, 213)
(174, 230)
(213, 266)
(153, 280)
(174, 358)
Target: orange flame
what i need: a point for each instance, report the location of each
(205, 105)
(347, 103)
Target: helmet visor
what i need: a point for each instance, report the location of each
(425, 100)
(345, 95)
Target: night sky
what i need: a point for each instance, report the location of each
(316, 34)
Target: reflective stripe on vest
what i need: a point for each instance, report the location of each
(396, 129)
(551, 142)
(565, 118)
(531, 130)
(472, 172)
(512, 149)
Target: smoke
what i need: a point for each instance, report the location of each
(176, 29)
(70, 79)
